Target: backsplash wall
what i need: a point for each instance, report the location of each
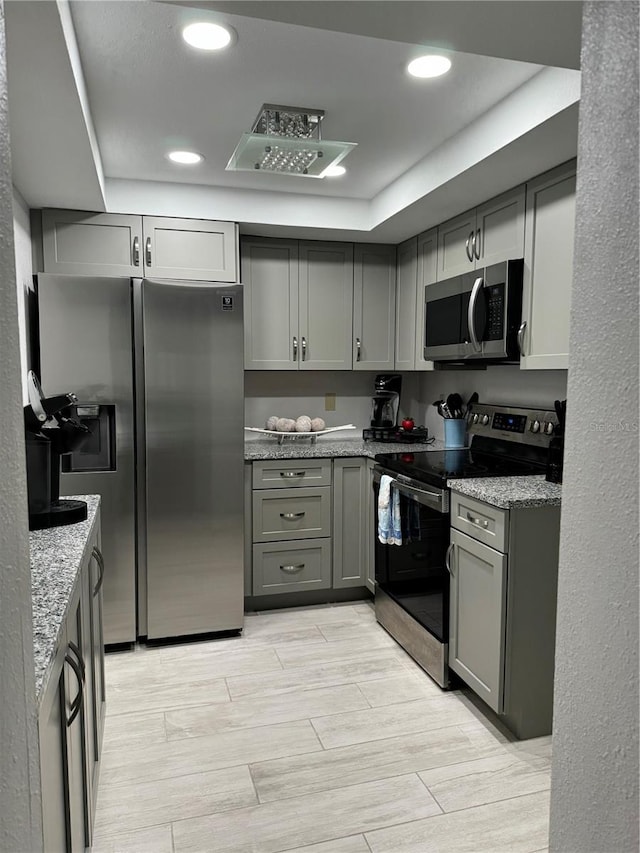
(499, 384)
(294, 393)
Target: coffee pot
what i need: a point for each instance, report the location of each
(386, 400)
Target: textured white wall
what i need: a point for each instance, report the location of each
(19, 777)
(24, 276)
(594, 785)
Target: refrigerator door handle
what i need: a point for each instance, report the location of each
(148, 252)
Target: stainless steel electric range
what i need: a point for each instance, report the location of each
(412, 579)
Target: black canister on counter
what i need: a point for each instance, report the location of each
(555, 455)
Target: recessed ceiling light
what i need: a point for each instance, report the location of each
(334, 172)
(186, 158)
(206, 36)
(429, 66)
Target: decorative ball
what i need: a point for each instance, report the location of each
(303, 424)
(285, 425)
(317, 425)
(272, 422)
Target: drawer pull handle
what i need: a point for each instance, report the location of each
(292, 516)
(293, 570)
(289, 474)
(479, 522)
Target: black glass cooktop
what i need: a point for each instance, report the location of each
(437, 466)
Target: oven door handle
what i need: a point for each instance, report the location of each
(477, 287)
(436, 500)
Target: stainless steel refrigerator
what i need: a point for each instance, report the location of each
(157, 367)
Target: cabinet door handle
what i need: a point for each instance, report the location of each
(358, 349)
(295, 348)
(148, 252)
(136, 251)
(304, 349)
(78, 655)
(469, 247)
(292, 516)
(100, 561)
(476, 244)
(77, 702)
(288, 475)
(521, 332)
(479, 522)
(292, 570)
(447, 558)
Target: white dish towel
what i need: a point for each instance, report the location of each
(389, 527)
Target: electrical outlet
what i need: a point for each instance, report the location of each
(330, 402)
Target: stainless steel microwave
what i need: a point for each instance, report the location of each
(476, 315)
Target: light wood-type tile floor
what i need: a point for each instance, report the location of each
(313, 732)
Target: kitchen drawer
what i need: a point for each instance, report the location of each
(480, 520)
(285, 474)
(291, 567)
(291, 514)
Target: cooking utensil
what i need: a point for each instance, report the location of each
(471, 401)
(454, 404)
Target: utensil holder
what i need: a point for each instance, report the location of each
(455, 433)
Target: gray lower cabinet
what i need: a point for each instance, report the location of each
(476, 626)
(371, 531)
(309, 525)
(76, 242)
(503, 608)
(291, 507)
(296, 566)
(71, 716)
(350, 527)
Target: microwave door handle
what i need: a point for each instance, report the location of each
(477, 287)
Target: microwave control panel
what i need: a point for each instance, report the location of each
(495, 312)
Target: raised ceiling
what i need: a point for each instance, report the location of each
(140, 90)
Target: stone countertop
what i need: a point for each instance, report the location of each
(56, 558)
(257, 449)
(510, 492)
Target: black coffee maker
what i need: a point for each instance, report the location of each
(386, 400)
(50, 433)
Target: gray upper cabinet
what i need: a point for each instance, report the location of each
(80, 243)
(374, 307)
(416, 268)
(455, 243)
(192, 249)
(111, 244)
(270, 279)
(548, 269)
(298, 304)
(427, 274)
(406, 301)
(326, 306)
(486, 235)
(478, 596)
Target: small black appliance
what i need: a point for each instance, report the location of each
(386, 400)
(50, 433)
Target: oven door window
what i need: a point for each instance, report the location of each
(414, 573)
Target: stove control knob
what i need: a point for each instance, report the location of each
(485, 420)
(535, 426)
(548, 428)
(476, 418)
